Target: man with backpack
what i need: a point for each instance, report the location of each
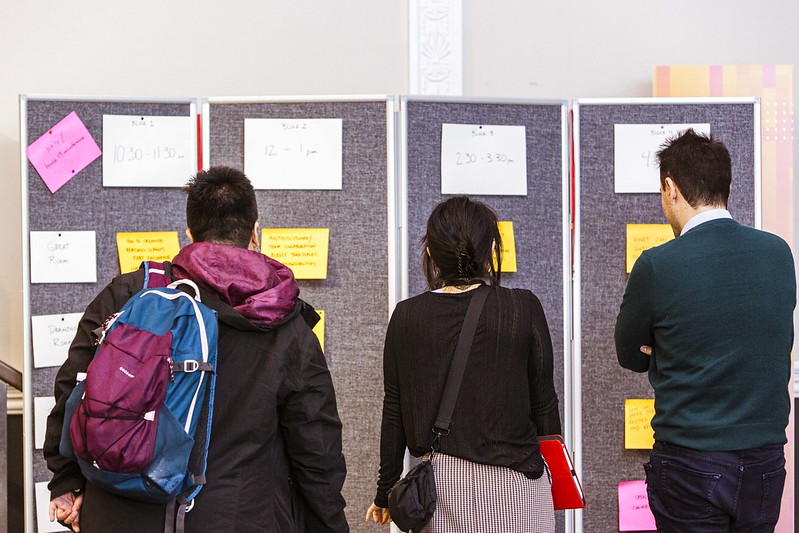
(274, 459)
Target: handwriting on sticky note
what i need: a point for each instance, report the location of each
(483, 159)
(303, 250)
(638, 433)
(508, 246)
(135, 247)
(294, 153)
(52, 336)
(148, 151)
(634, 151)
(62, 151)
(642, 237)
(634, 512)
(63, 256)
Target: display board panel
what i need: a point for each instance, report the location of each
(602, 216)
(540, 217)
(359, 289)
(82, 206)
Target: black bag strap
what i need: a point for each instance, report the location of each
(458, 365)
(175, 517)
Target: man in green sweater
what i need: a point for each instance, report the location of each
(710, 316)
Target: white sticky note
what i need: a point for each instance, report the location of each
(41, 409)
(293, 153)
(148, 151)
(63, 257)
(42, 514)
(52, 335)
(483, 159)
(634, 149)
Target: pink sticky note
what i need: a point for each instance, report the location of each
(63, 151)
(634, 513)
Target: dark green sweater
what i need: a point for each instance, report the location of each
(716, 305)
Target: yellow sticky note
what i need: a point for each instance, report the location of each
(638, 433)
(508, 246)
(135, 247)
(319, 329)
(303, 250)
(642, 237)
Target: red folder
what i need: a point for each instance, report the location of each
(567, 493)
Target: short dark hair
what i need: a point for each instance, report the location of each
(459, 245)
(221, 206)
(700, 166)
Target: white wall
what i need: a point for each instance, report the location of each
(179, 48)
(600, 48)
(511, 48)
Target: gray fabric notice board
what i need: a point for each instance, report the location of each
(540, 219)
(602, 219)
(83, 204)
(355, 296)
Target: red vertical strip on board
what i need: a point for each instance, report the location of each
(199, 143)
(572, 183)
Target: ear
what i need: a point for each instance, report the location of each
(188, 234)
(671, 189)
(254, 237)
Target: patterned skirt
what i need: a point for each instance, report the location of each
(476, 498)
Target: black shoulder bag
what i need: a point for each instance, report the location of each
(412, 499)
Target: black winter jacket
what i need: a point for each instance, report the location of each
(274, 463)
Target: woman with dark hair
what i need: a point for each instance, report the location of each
(488, 470)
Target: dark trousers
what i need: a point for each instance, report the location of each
(695, 491)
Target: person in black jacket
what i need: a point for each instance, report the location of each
(275, 461)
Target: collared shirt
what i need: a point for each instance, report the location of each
(705, 216)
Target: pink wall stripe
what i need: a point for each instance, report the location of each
(769, 76)
(662, 79)
(716, 80)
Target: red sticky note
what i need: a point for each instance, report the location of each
(63, 151)
(634, 513)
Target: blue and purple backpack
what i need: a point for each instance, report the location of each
(140, 422)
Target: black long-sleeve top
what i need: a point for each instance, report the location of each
(507, 396)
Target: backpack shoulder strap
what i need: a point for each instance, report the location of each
(157, 274)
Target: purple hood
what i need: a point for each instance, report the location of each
(263, 290)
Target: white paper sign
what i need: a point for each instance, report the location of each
(63, 257)
(293, 153)
(634, 149)
(483, 159)
(52, 335)
(148, 151)
(41, 409)
(42, 513)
